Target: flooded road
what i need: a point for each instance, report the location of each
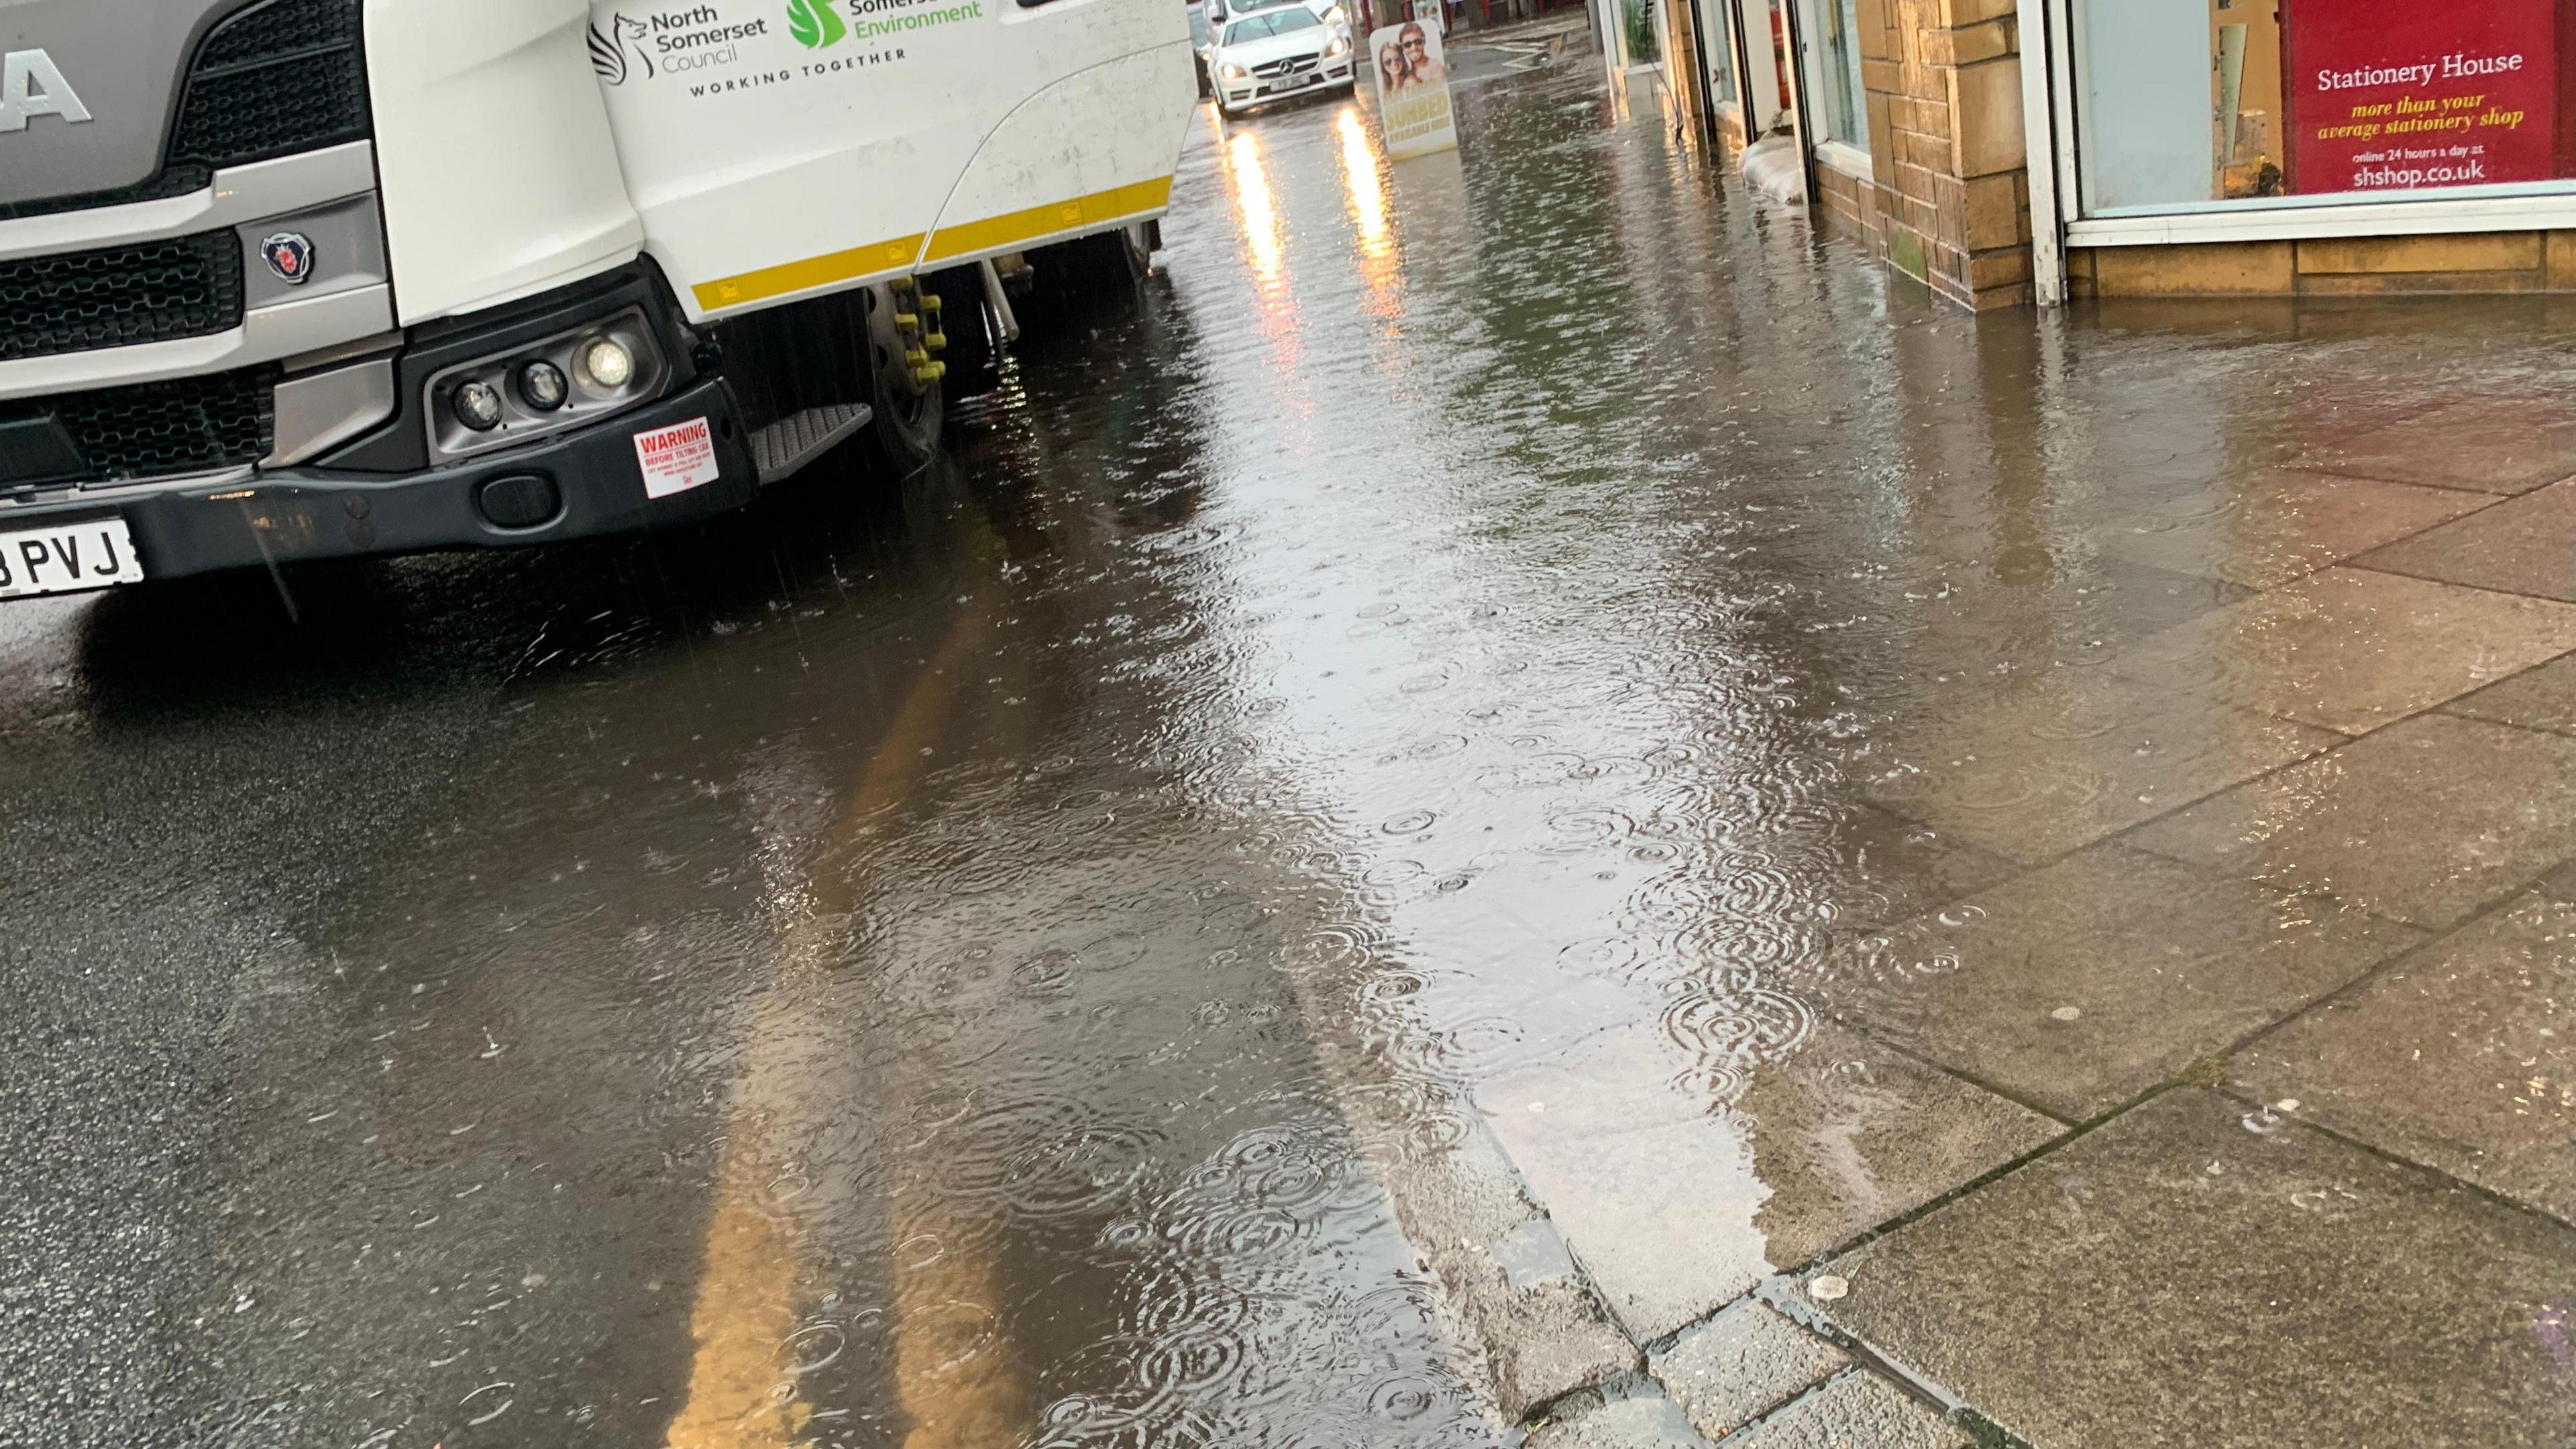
(1529, 801)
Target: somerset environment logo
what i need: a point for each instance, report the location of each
(609, 56)
(815, 24)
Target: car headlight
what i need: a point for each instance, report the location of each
(1337, 46)
(1230, 71)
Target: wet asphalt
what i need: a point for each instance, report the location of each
(1485, 658)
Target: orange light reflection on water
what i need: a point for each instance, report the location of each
(1364, 182)
(1254, 205)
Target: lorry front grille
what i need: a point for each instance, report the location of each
(279, 77)
(188, 286)
(152, 429)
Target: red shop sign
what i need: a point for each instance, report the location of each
(2396, 94)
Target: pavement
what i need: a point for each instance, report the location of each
(1528, 804)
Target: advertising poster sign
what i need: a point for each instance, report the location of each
(2397, 94)
(1412, 89)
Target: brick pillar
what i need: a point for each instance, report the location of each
(1943, 79)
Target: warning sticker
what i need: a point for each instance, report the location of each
(677, 458)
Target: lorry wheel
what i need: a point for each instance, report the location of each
(905, 388)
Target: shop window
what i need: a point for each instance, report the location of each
(2215, 104)
(1717, 42)
(1832, 43)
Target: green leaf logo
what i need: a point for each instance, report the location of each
(814, 23)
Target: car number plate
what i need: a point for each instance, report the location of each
(67, 557)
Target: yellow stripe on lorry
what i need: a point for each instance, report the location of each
(993, 233)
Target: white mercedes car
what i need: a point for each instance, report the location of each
(1274, 53)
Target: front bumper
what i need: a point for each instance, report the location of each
(1255, 91)
(183, 527)
(388, 492)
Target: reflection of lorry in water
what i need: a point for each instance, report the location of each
(287, 279)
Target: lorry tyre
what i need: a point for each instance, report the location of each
(905, 391)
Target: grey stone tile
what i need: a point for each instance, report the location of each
(1847, 1134)
(2352, 649)
(2492, 445)
(1743, 1364)
(2178, 1278)
(1646, 1421)
(2083, 984)
(1876, 866)
(1857, 1411)
(2462, 1056)
(2540, 699)
(1677, 1196)
(2048, 764)
(2267, 526)
(2426, 821)
(2526, 545)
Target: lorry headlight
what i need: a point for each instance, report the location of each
(515, 395)
(478, 406)
(542, 386)
(605, 364)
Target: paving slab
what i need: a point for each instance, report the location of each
(2267, 526)
(1743, 1364)
(2543, 698)
(2081, 985)
(2491, 445)
(1857, 1411)
(2045, 765)
(2462, 1056)
(2353, 649)
(1644, 1421)
(2425, 822)
(1676, 1202)
(1847, 1135)
(2175, 1277)
(2524, 545)
(1878, 866)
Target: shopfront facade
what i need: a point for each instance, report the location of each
(2010, 151)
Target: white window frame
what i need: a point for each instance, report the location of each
(1845, 157)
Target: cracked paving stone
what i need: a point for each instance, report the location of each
(1857, 1411)
(2083, 984)
(2268, 1289)
(2463, 1056)
(1644, 1421)
(1674, 1209)
(1743, 1364)
(2426, 822)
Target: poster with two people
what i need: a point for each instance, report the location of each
(1412, 89)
